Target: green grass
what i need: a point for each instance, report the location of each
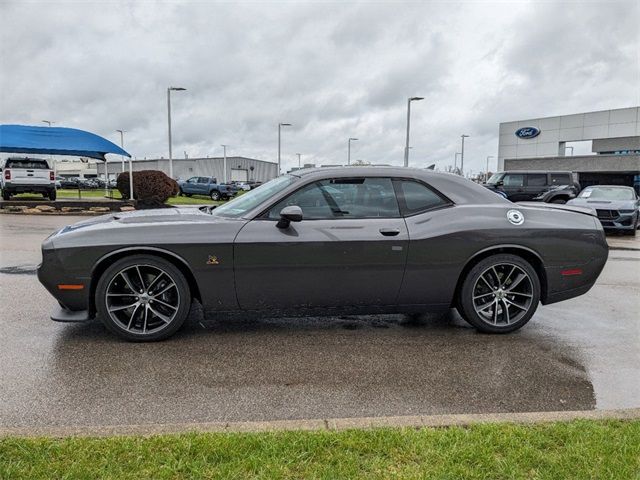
(99, 193)
(574, 450)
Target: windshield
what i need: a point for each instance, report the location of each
(495, 178)
(237, 207)
(608, 193)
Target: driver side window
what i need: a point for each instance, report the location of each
(343, 198)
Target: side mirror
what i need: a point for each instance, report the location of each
(289, 214)
(500, 183)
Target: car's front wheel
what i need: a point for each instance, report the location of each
(215, 195)
(143, 298)
(500, 294)
(6, 195)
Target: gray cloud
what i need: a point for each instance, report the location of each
(334, 70)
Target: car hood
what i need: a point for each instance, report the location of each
(603, 204)
(163, 225)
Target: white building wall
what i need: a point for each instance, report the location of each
(555, 131)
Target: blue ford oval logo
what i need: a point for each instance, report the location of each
(527, 132)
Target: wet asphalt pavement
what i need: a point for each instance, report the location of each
(576, 355)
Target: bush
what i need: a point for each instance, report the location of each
(151, 188)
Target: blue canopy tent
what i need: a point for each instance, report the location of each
(58, 141)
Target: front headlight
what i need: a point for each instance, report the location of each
(626, 211)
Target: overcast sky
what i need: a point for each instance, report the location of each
(333, 69)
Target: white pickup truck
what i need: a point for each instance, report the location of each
(27, 175)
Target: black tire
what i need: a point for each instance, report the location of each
(52, 195)
(215, 195)
(180, 193)
(525, 294)
(560, 200)
(188, 195)
(6, 195)
(179, 295)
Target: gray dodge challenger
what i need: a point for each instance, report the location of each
(344, 240)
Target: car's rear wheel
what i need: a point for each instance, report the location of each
(215, 195)
(6, 195)
(500, 294)
(143, 298)
(52, 195)
(560, 200)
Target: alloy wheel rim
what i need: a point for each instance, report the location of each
(142, 299)
(503, 294)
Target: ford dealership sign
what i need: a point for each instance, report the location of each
(527, 132)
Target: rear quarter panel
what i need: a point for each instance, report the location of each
(443, 242)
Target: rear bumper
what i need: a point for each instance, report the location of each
(13, 188)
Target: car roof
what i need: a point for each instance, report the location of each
(536, 171)
(610, 186)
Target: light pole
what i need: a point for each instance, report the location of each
(280, 125)
(122, 146)
(486, 174)
(55, 173)
(349, 150)
(175, 89)
(299, 161)
(406, 146)
(224, 165)
(463, 136)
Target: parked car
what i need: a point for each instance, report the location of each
(548, 187)
(398, 240)
(28, 175)
(70, 182)
(616, 206)
(208, 186)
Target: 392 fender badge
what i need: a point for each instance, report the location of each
(212, 260)
(515, 216)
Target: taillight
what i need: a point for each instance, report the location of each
(51, 177)
(7, 174)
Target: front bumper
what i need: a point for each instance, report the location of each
(61, 314)
(623, 221)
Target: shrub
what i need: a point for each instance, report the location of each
(151, 188)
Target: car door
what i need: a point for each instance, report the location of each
(349, 250)
(536, 183)
(513, 186)
(190, 186)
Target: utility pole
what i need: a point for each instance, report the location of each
(299, 162)
(224, 165)
(406, 147)
(463, 136)
(169, 90)
(349, 149)
(280, 125)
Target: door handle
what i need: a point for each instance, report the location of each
(389, 232)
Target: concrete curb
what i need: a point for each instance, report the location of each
(335, 424)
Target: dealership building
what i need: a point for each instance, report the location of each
(548, 144)
(240, 169)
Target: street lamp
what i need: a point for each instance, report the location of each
(55, 172)
(299, 155)
(486, 175)
(349, 150)
(224, 165)
(169, 90)
(406, 147)
(280, 125)
(463, 136)
(48, 122)
(122, 145)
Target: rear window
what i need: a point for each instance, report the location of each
(560, 179)
(417, 197)
(30, 164)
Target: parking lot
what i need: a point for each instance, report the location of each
(576, 355)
